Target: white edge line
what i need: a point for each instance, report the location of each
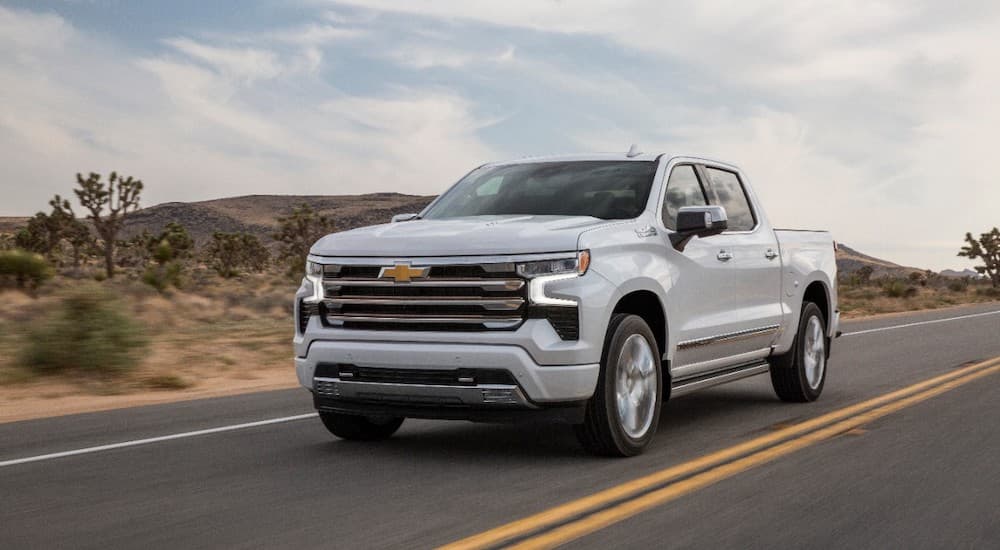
(136, 442)
(234, 427)
(931, 322)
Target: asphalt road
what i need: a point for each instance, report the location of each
(926, 476)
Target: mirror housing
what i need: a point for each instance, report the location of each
(404, 217)
(698, 221)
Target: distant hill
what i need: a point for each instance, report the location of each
(850, 260)
(258, 215)
(10, 224)
(965, 273)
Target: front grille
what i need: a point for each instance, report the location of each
(451, 297)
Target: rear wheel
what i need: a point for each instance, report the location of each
(363, 428)
(623, 414)
(799, 375)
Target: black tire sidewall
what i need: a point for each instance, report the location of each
(809, 310)
(618, 333)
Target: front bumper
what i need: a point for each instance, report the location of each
(534, 385)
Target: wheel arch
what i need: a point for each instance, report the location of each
(647, 305)
(818, 293)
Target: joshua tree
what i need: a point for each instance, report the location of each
(108, 206)
(45, 232)
(174, 238)
(986, 248)
(228, 253)
(296, 234)
(74, 231)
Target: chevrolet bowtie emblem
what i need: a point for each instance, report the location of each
(402, 272)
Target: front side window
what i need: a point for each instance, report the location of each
(683, 189)
(731, 196)
(602, 189)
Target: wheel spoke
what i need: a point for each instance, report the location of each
(636, 386)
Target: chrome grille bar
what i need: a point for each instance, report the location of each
(488, 321)
(492, 304)
(498, 285)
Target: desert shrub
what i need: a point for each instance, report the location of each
(23, 269)
(899, 289)
(88, 333)
(989, 291)
(162, 276)
(230, 253)
(958, 286)
(167, 382)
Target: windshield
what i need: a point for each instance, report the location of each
(602, 189)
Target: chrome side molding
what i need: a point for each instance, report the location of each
(728, 337)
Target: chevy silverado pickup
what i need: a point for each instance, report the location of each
(585, 289)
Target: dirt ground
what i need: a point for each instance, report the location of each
(224, 340)
(230, 337)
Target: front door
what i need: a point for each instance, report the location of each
(702, 285)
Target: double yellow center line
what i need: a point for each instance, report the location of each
(567, 522)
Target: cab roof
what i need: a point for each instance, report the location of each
(578, 157)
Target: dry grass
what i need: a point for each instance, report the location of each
(219, 337)
(228, 330)
(872, 300)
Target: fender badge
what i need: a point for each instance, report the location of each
(648, 231)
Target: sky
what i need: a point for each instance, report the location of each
(870, 119)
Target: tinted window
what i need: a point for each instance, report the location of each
(683, 189)
(731, 197)
(608, 190)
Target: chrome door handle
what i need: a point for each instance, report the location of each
(724, 256)
(770, 254)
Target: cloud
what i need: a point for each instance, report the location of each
(213, 117)
(870, 119)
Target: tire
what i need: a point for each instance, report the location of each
(799, 375)
(604, 432)
(360, 428)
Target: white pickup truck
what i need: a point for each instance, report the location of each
(588, 289)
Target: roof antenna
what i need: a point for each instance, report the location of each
(633, 151)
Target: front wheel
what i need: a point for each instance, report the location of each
(623, 414)
(363, 428)
(799, 375)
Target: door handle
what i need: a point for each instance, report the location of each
(724, 256)
(770, 254)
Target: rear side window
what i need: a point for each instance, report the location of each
(732, 197)
(683, 189)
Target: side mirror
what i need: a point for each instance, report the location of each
(404, 217)
(698, 221)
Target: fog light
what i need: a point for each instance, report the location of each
(500, 396)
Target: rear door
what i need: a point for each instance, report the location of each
(755, 306)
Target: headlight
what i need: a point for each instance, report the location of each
(314, 269)
(574, 266)
(314, 277)
(549, 271)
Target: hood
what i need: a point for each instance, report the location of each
(472, 236)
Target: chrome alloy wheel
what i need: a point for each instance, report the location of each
(635, 387)
(814, 352)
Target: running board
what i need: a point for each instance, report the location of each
(686, 386)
